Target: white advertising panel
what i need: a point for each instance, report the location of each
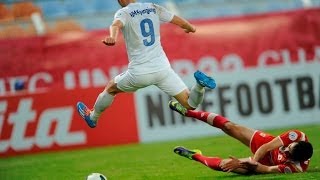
(261, 97)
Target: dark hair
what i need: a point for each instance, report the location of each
(302, 151)
(120, 3)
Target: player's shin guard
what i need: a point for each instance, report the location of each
(103, 101)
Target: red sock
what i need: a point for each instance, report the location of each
(211, 162)
(210, 118)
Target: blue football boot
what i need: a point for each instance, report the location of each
(204, 80)
(84, 112)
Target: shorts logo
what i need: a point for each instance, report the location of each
(293, 136)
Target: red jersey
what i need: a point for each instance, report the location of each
(277, 156)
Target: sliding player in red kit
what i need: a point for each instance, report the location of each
(289, 152)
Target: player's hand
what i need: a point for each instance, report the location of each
(250, 165)
(191, 30)
(109, 41)
(231, 165)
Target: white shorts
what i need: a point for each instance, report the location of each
(167, 80)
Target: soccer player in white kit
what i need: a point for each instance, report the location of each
(148, 63)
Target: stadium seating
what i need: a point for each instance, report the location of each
(53, 9)
(65, 25)
(79, 7)
(105, 6)
(24, 9)
(5, 13)
(13, 31)
(98, 14)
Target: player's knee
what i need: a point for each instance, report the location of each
(112, 88)
(110, 91)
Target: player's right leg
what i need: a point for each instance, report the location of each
(214, 163)
(241, 133)
(121, 83)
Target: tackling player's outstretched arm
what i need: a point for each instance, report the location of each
(259, 168)
(114, 31)
(184, 24)
(245, 165)
(275, 143)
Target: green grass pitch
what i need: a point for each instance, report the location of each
(146, 161)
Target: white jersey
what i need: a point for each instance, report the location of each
(141, 30)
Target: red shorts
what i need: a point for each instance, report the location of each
(258, 139)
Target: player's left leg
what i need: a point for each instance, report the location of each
(121, 83)
(214, 163)
(103, 101)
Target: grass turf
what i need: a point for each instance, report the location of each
(146, 161)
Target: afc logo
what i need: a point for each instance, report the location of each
(293, 136)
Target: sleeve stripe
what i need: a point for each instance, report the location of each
(303, 137)
(280, 140)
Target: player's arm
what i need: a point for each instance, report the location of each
(167, 16)
(275, 143)
(246, 165)
(233, 164)
(259, 168)
(184, 24)
(114, 31)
